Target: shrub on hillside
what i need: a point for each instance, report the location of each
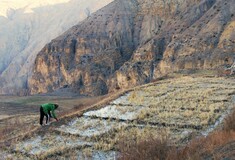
(222, 72)
(229, 123)
(150, 148)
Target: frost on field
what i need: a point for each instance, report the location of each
(178, 109)
(87, 127)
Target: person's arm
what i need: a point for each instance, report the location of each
(53, 114)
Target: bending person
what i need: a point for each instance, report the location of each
(46, 110)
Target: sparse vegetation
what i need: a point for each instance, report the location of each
(229, 123)
(16, 126)
(161, 120)
(200, 147)
(147, 146)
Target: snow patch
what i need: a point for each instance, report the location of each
(40, 145)
(4, 117)
(118, 112)
(88, 127)
(98, 155)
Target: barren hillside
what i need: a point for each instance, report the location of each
(129, 43)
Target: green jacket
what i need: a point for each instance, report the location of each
(49, 107)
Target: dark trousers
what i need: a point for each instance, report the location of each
(42, 114)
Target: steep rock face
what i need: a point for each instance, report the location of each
(206, 44)
(85, 56)
(128, 43)
(26, 26)
(198, 36)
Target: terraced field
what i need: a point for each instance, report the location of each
(176, 108)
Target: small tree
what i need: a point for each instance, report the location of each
(232, 68)
(88, 12)
(10, 13)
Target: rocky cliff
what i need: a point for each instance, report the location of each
(131, 42)
(26, 26)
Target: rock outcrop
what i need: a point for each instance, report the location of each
(132, 42)
(85, 56)
(26, 26)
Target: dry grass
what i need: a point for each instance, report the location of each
(203, 147)
(78, 105)
(173, 105)
(229, 124)
(101, 102)
(146, 149)
(16, 126)
(185, 102)
(163, 149)
(133, 147)
(199, 148)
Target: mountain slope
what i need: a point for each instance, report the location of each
(26, 26)
(88, 53)
(132, 42)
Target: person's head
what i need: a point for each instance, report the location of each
(56, 106)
